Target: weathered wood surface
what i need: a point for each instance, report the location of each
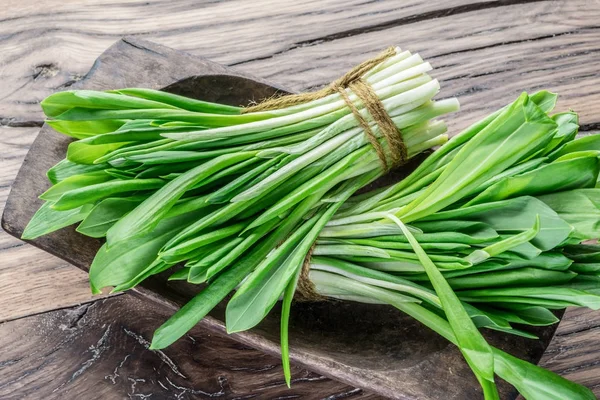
(99, 351)
(484, 51)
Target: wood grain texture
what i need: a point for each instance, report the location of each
(31, 280)
(551, 43)
(486, 52)
(100, 351)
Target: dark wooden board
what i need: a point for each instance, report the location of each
(100, 351)
(373, 347)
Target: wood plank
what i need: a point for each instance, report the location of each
(282, 44)
(99, 351)
(574, 350)
(31, 281)
(485, 58)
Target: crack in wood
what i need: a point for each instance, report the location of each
(165, 359)
(187, 390)
(78, 314)
(509, 42)
(12, 123)
(113, 377)
(96, 350)
(8, 363)
(25, 374)
(344, 395)
(141, 47)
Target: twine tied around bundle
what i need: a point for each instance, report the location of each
(353, 81)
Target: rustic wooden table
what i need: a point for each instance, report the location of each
(56, 341)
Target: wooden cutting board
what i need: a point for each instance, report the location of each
(373, 347)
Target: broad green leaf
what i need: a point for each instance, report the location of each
(105, 214)
(197, 308)
(82, 153)
(47, 220)
(585, 143)
(202, 274)
(568, 126)
(74, 182)
(580, 208)
(518, 277)
(520, 130)
(92, 193)
(61, 102)
(156, 267)
(560, 294)
(551, 178)
(515, 215)
(183, 102)
(536, 383)
(126, 260)
(509, 243)
(84, 129)
(475, 349)
(583, 252)
(202, 240)
(259, 293)
(527, 315)
(66, 168)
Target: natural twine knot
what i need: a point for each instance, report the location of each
(352, 80)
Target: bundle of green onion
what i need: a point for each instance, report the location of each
(485, 233)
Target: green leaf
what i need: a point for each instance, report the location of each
(47, 220)
(84, 129)
(82, 153)
(527, 315)
(92, 193)
(516, 214)
(201, 240)
(585, 143)
(580, 208)
(183, 102)
(125, 261)
(150, 212)
(519, 131)
(475, 349)
(555, 177)
(501, 246)
(65, 169)
(261, 290)
(536, 383)
(105, 214)
(560, 294)
(197, 308)
(512, 278)
(74, 182)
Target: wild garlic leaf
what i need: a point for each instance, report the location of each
(518, 131)
(580, 208)
(551, 178)
(105, 214)
(515, 215)
(47, 220)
